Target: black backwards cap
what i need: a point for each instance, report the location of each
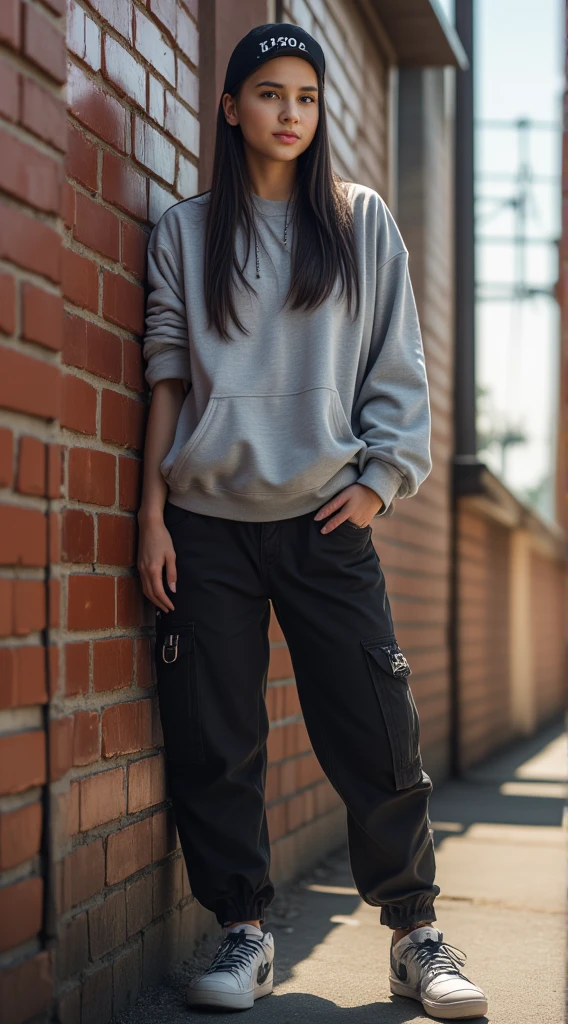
(262, 43)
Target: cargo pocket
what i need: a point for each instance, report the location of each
(178, 692)
(389, 671)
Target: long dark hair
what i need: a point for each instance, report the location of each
(324, 243)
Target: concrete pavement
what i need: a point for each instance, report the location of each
(501, 856)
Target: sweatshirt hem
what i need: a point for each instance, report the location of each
(247, 508)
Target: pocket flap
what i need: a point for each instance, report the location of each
(387, 654)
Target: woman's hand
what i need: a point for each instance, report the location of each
(357, 502)
(155, 548)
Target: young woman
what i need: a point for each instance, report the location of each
(289, 409)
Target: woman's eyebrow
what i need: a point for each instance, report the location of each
(279, 85)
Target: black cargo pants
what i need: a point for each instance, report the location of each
(211, 656)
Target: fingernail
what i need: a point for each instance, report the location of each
(172, 587)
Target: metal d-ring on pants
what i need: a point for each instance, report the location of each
(211, 656)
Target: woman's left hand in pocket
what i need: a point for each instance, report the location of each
(357, 502)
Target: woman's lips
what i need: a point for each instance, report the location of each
(285, 138)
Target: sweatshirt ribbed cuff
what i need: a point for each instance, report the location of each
(384, 480)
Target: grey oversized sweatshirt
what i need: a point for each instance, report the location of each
(276, 423)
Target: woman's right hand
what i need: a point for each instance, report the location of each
(155, 548)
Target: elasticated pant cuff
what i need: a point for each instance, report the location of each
(406, 915)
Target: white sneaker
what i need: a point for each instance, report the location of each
(241, 971)
(425, 968)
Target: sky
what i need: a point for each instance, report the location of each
(518, 64)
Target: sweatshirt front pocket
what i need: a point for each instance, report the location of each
(263, 444)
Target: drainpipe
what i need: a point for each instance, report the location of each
(464, 372)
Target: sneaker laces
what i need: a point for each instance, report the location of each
(437, 957)
(237, 950)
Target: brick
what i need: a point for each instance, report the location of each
(73, 809)
(92, 476)
(167, 889)
(187, 85)
(22, 761)
(79, 405)
(73, 947)
(28, 606)
(44, 44)
(76, 668)
(96, 109)
(29, 243)
(128, 851)
(164, 834)
(86, 738)
(125, 73)
(96, 1003)
(187, 177)
(123, 302)
(138, 904)
(187, 36)
(90, 602)
(133, 366)
(107, 924)
(166, 14)
(124, 187)
(9, 92)
(68, 204)
(44, 114)
(26, 988)
(6, 457)
(30, 175)
(81, 158)
(10, 23)
(7, 304)
(93, 40)
(22, 676)
(142, 660)
(112, 661)
(126, 978)
(80, 280)
(159, 200)
(86, 866)
(78, 536)
(60, 746)
(31, 466)
(122, 420)
(134, 246)
(146, 783)
(69, 1005)
(20, 912)
(103, 353)
(54, 470)
(153, 151)
(129, 483)
(276, 816)
(127, 727)
(42, 316)
(118, 13)
(102, 798)
(182, 124)
(7, 617)
(156, 101)
(22, 536)
(53, 537)
(129, 602)
(96, 227)
(152, 45)
(20, 835)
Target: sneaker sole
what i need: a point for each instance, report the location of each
(446, 1011)
(230, 1000)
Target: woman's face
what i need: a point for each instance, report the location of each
(280, 97)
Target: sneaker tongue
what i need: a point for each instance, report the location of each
(421, 934)
(250, 929)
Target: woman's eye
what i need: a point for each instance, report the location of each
(270, 92)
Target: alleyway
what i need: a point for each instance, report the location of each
(501, 867)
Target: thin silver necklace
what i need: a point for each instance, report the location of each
(284, 240)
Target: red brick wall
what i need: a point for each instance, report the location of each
(483, 636)
(33, 742)
(548, 614)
